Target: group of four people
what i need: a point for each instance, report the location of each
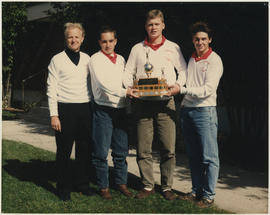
(88, 99)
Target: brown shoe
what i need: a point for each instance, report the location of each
(144, 193)
(205, 203)
(188, 197)
(123, 189)
(169, 195)
(105, 194)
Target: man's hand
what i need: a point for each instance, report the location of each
(131, 93)
(55, 123)
(173, 90)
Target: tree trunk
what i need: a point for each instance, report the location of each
(7, 92)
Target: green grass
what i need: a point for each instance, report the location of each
(8, 115)
(28, 186)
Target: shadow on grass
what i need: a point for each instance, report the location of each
(43, 174)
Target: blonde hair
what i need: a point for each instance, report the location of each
(152, 14)
(70, 25)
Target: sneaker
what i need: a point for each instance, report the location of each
(188, 197)
(169, 195)
(105, 194)
(205, 203)
(124, 190)
(144, 193)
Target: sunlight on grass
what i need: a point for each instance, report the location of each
(28, 186)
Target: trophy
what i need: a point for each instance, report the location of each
(151, 88)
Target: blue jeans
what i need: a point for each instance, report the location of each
(199, 126)
(109, 130)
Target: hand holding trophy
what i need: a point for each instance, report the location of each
(151, 88)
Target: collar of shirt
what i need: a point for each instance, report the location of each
(204, 56)
(112, 56)
(156, 46)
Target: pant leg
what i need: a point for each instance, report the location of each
(208, 134)
(64, 143)
(83, 145)
(203, 150)
(120, 146)
(165, 120)
(145, 131)
(193, 149)
(102, 135)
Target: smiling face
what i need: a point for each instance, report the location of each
(107, 42)
(74, 39)
(154, 28)
(201, 42)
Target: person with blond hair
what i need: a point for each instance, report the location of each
(69, 98)
(156, 117)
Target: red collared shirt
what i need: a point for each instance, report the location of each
(205, 55)
(156, 46)
(112, 56)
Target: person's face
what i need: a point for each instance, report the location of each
(107, 42)
(154, 27)
(201, 42)
(74, 39)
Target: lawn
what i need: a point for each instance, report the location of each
(8, 115)
(28, 186)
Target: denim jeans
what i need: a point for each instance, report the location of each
(109, 130)
(199, 126)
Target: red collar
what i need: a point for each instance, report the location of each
(154, 47)
(112, 58)
(205, 55)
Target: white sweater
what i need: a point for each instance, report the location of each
(67, 82)
(168, 56)
(202, 81)
(106, 80)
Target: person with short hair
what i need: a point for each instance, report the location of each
(199, 117)
(156, 117)
(109, 114)
(69, 99)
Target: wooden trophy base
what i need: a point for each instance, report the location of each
(152, 89)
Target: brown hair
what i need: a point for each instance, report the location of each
(105, 29)
(201, 26)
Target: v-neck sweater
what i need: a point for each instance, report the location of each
(67, 82)
(106, 80)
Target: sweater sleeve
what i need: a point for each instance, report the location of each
(52, 83)
(130, 69)
(181, 67)
(213, 75)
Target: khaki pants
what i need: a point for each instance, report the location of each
(156, 118)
